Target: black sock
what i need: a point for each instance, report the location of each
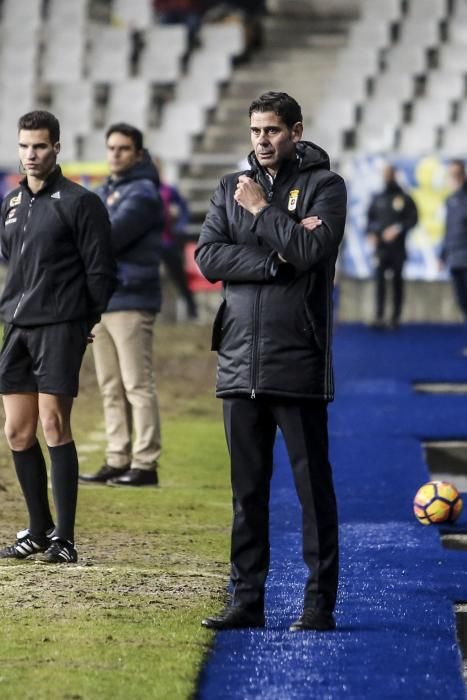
(64, 474)
(32, 476)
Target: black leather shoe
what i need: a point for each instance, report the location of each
(313, 619)
(235, 618)
(136, 477)
(105, 473)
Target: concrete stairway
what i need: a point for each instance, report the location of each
(298, 57)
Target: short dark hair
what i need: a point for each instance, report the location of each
(281, 104)
(127, 130)
(458, 163)
(40, 119)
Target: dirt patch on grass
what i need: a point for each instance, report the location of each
(120, 567)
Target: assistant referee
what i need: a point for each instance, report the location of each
(55, 236)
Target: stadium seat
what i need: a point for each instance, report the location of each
(223, 38)
(445, 84)
(452, 58)
(362, 59)
(162, 55)
(423, 30)
(66, 16)
(436, 9)
(94, 146)
(394, 85)
(377, 138)
(458, 31)
(64, 56)
(21, 16)
(418, 139)
(73, 103)
(340, 113)
(129, 102)
(375, 33)
(136, 14)
(378, 10)
(109, 59)
(431, 112)
(454, 141)
(406, 59)
(380, 112)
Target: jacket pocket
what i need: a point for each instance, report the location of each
(217, 327)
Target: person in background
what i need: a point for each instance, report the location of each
(177, 217)
(55, 237)
(272, 235)
(188, 12)
(453, 253)
(123, 345)
(391, 215)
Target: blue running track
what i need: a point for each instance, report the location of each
(396, 624)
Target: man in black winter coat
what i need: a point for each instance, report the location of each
(391, 215)
(55, 236)
(272, 235)
(454, 248)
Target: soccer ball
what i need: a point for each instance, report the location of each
(437, 502)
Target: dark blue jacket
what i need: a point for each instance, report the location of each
(454, 248)
(137, 217)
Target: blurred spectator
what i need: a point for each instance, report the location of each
(251, 16)
(177, 216)
(189, 12)
(454, 247)
(123, 344)
(391, 215)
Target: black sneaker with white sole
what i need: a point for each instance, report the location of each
(59, 552)
(26, 545)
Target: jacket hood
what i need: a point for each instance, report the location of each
(143, 170)
(309, 155)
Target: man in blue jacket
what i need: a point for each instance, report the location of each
(454, 248)
(123, 344)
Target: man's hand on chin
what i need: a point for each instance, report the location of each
(249, 195)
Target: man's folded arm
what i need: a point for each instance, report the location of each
(302, 248)
(220, 258)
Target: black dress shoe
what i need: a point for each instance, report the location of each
(136, 477)
(105, 473)
(235, 618)
(313, 619)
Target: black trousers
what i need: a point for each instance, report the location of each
(250, 426)
(459, 282)
(397, 288)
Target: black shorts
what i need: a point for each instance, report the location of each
(43, 359)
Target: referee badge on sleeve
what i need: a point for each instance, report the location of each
(293, 197)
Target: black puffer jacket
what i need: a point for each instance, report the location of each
(273, 329)
(60, 261)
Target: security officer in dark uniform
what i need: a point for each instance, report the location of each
(391, 215)
(272, 235)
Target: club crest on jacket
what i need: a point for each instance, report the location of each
(293, 197)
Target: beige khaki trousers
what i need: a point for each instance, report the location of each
(123, 355)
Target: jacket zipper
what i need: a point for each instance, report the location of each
(31, 201)
(254, 358)
(18, 305)
(254, 363)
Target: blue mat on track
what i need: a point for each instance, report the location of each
(396, 624)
